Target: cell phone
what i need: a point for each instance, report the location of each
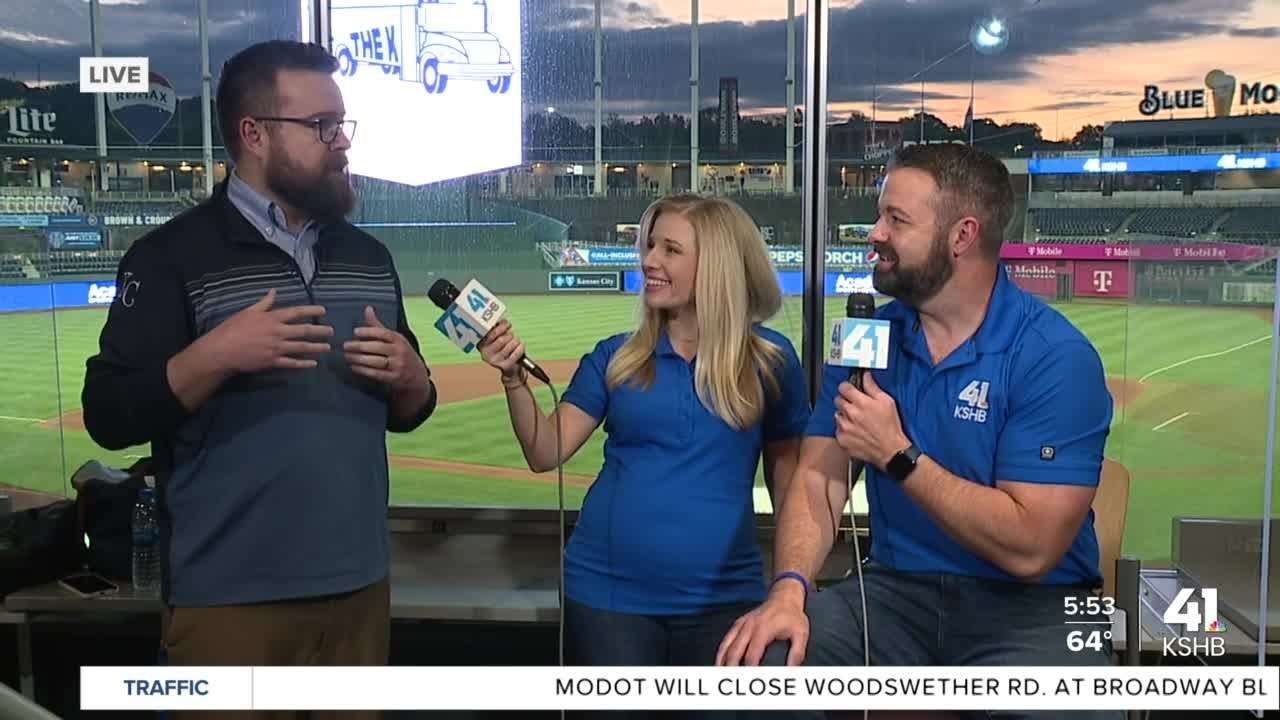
(88, 584)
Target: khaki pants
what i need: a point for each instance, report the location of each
(348, 629)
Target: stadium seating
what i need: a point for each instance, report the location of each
(40, 205)
(10, 267)
(126, 207)
(1252, 222)
(88, 262)
(1077, 221)
(1180, 222)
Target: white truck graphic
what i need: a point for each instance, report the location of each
(426, 41)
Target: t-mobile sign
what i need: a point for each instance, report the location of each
(1102, 279)
(1040, 278)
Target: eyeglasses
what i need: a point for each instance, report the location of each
(326, 127)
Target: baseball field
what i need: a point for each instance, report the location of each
(1190, 385)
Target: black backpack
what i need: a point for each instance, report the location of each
(39, 545)
(105, 498)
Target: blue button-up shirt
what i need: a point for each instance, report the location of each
(270, 220)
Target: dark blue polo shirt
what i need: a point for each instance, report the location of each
(1025, 399)
(668, 527)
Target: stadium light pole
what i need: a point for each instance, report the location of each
(922, 71)
(789, 177)
(989, 36)
(601, 177)
(693, 97)
(206, 121)
(99, 99)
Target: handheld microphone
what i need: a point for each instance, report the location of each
(859, 341)
(466, 323)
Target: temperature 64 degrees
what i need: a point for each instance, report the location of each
(1079, 640)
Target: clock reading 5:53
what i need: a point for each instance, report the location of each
(1091, 605)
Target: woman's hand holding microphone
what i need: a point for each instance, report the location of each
(503, 350)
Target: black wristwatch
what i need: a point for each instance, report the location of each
(901, 465)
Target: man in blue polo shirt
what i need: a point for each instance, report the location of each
(982, 443)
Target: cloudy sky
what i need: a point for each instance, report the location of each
(1068, 62)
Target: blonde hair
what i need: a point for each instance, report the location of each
(735, 288)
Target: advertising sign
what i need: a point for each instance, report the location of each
(582, 281)
(434, 87)
(1101, 279)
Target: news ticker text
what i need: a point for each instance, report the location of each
(674, 688)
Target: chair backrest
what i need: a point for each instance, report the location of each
(1109, 507)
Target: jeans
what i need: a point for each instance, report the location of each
(922, 619)
(605, 638)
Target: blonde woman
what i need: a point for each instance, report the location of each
(664, 556)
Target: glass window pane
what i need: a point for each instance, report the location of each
(1146, 215)
(68, 214)
(555, 237)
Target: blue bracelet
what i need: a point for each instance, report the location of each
(794, 576)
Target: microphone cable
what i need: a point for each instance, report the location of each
(859, 305)
(555, 403)
(561, 514)
(560, 524)
(854, 469)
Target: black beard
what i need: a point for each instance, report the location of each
(325, 197)
(914, 286)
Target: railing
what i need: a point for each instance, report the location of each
(132, 195)
(1134, 199)
(1166, 150)
(539, 193)
(23, 191)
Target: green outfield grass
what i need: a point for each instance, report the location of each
(1192, 433)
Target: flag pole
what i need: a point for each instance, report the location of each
(971, 85)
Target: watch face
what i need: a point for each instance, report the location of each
(903, 463)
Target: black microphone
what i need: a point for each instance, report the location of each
(862, 306)
(445, 294)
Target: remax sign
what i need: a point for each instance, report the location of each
(144, 114)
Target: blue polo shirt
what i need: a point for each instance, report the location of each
(1024, 399)
(668, 527)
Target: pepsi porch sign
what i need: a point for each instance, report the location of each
(860, 343)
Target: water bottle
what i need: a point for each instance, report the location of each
(146, 540)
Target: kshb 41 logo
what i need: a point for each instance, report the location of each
(1186, 613)
(973, 405)
(860, 343)
(470, 317)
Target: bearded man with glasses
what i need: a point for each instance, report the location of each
(262, 350)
